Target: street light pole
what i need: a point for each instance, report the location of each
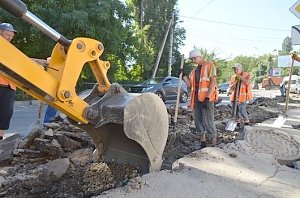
(171, 46)
(161, 49)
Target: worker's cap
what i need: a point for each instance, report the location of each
(7, 27)
(194, 53)
(237, 65)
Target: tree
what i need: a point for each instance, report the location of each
(108, 21)
(151, 21)
(287, 46)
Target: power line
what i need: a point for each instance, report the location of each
(230, 34)
(203, 8)
(233, 24)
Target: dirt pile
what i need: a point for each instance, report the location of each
(58, 161)
(273, 102)
(185, 139)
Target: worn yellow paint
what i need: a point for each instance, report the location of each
(52, 86)
(297, 8)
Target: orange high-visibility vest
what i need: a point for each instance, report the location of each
(245, 89)
(204, 83)
(5, 82)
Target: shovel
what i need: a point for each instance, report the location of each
(278, 123)
(231, 125)
(178, 94)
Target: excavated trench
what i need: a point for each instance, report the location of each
(27, 177)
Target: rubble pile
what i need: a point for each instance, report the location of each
(262, 108)
(57, 160)
(185, 139)
(267, 102)
(222, 112)
(53, 141)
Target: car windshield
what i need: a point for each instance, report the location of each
(153, 81)
(292, 82)
(224, 85)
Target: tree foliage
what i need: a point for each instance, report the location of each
(132, 32)
(151, 19)
(286, 46)
(130, 49)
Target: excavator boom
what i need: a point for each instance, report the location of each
(125, 127)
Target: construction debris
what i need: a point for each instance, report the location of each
(6, 149)
(58, 159)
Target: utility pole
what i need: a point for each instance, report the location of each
(142, 13)
(161, 49)
(171, 46)
(142, 39)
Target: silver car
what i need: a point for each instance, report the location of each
(166, 88)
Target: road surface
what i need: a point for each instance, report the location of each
(25, 114)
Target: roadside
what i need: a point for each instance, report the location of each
(66, 151)
(25, 114)
(263, 165)
(293, 118)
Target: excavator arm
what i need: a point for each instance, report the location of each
(126, 128)
(56, 86)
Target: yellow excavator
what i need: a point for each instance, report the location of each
(125, 127)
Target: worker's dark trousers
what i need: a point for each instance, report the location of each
(242, 112)
(50, 114)
(7, 99)
(204, 119)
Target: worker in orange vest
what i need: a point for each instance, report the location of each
(244, 94)
(295, 57)
(7, 89)
(202, 81)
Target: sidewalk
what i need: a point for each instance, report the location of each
(293, 118)
(234, 170)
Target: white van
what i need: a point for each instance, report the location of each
(295, 83)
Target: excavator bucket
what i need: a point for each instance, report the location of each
(125, 128)
(128, 128)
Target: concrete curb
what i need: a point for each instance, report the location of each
(27, 102)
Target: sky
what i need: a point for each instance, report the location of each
(207, 25)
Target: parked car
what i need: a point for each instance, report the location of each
(295, 83)
(166, 88)
(228, 91)
(223, 87)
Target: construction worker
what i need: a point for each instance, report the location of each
(282, 89)
(244, 93)
(7, 89)
(202, 81)
(295, 57)
(51, 112)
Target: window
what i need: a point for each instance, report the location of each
(153, 81)
(175, 81)
(168, 80)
